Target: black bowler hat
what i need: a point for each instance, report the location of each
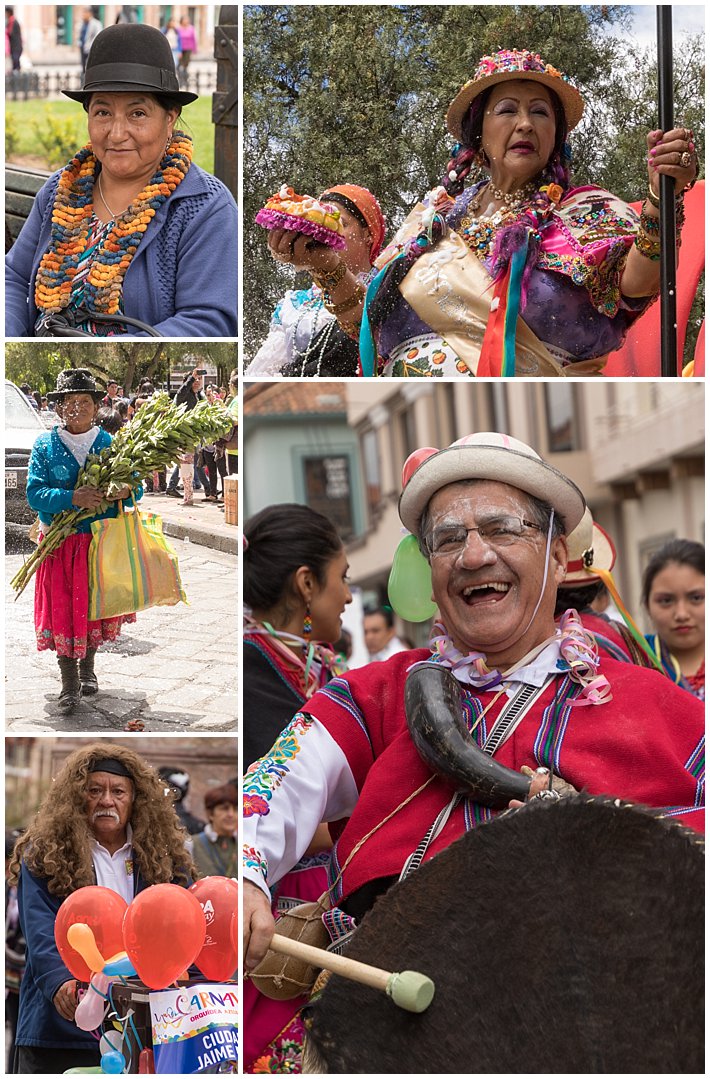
(131, 56)
(75, 380)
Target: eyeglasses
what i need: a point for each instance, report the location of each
(497, 532)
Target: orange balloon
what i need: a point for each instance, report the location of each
(102, 910)
(218, 898)
(163, 932)
(82, 940)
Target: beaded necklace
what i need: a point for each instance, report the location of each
(310, 676)
(479, 232)
(72, 215)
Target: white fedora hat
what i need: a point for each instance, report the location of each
(486, 455)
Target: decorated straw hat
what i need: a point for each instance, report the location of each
(514, 64)
(75, 380)
(588, 546)
(129, 57)
(486, 455)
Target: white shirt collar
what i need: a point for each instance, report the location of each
(534, 673)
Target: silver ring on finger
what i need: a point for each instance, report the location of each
(684, 159)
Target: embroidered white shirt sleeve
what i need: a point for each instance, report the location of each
(303, 780)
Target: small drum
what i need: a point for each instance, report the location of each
(563, 937)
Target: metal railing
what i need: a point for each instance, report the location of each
(23, 85)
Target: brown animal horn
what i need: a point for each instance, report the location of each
(432, 702)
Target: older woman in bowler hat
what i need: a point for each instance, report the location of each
(131, 227)
(62, 586)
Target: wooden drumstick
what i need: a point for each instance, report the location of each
(408, 989)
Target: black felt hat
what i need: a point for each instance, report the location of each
(131, 56)
(75, 380)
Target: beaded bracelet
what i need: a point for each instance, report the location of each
(647, 247)
(352, 329)
(355, 298)
(328, 281)
(650, 225)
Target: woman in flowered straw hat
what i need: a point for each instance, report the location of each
(131, 227)
(519, 273)
(305, 337)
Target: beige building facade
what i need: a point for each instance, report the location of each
(636, 449)
(50, 32)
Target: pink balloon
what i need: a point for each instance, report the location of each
(163, 932)
(90, 1009)
(218, 898)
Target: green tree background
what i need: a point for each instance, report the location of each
(358, 94)
(39, 362)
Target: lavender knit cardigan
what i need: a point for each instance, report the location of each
(182, 280)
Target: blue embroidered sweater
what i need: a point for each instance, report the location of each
(52, 474)
(183, 277)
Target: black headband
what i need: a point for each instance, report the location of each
(348, 205)
(111, 765)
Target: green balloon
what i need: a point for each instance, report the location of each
(409, 585)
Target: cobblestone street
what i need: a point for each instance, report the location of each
(175, 668)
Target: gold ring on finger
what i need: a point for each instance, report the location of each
(684, 159)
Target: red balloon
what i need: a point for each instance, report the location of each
(218, 899)
(102, 910)
(163, 931)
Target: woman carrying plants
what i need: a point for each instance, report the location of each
(62, 588)
(131, 228)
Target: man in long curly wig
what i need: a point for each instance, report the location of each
(109, 820)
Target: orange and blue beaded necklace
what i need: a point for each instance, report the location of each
(72, 216)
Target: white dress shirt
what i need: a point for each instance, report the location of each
(115, 871)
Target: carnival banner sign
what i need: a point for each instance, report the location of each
(194, 1029)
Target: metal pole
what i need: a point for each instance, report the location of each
(664, 30)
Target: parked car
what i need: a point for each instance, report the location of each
(22, 426)
(49, 418)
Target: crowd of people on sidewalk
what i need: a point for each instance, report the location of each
(204, 470)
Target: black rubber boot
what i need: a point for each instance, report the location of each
(71, 686)
(89, 681)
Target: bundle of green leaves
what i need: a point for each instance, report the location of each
(151, 441)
